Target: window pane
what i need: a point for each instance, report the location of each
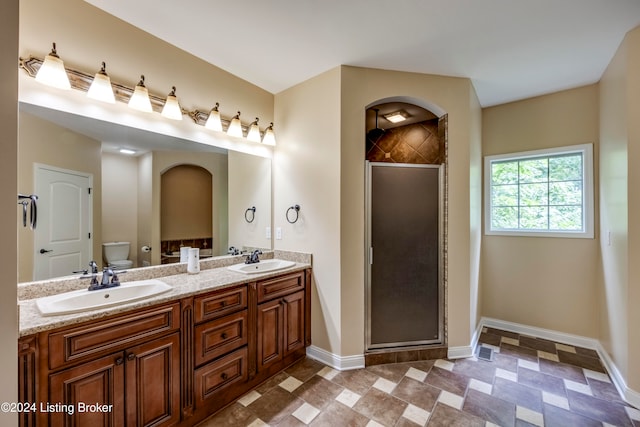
(502, 218)
(565, 168)
(565, 193)
(565, 217)
(504, 173)
(533, 194)
(534, 170)
(533, 218)
(504, 195)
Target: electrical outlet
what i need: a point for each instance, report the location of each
(278, 233)
(267, 232)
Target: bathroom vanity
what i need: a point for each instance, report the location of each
(174, 360)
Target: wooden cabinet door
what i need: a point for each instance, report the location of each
(98, 382)
(293, 322)
(270, 333)
(152, 377)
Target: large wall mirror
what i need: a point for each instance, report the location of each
(60, 152)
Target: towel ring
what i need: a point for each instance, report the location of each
(295, 208)
(252, 209)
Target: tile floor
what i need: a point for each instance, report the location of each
(530, 382)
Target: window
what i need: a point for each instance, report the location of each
(540, 193)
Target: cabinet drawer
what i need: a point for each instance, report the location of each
(220, 375)
(220, 336)
(280, 286)
(110, 335)
(220, 303)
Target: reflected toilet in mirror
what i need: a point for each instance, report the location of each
(116, 255)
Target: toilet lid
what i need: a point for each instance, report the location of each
(121, 264)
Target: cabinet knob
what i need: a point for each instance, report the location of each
(224, 376)
(223, 335)
(119, 361)
(223, 303)
(131, 356)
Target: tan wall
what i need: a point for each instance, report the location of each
(146, 224)
(361, 87)
(8, 209)
(306, 171)
(322, 169)
(475, 211)
(620, 205)
(120, 201)
(545, 282)
(633, 301)
(47, 143)
(249, 185)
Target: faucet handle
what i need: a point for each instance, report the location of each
(94, 267)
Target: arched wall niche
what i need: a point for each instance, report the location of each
(186, 205)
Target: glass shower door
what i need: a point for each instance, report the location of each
(404, 295)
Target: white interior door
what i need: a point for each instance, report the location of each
(62, 240)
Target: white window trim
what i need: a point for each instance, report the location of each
(588, 212)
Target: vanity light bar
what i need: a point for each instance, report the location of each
(82, 81)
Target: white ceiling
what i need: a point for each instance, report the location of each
(510, 49)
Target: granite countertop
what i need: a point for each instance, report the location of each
(183, 284)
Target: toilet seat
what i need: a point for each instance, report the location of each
(121, 265)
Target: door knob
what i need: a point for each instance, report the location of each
(44, 251)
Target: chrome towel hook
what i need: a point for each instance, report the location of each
(296, 209)
(252, 209)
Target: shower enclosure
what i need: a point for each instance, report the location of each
(405, 297)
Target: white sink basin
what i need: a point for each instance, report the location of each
(262, 266)
(84, 300)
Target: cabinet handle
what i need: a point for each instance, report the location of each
(224, 376)
(223, 335)
(131, 356)
(223, 303)
(119, 361)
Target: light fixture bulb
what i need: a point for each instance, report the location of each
(269, 137)
(214, 121)
(52, 71)
(100, 88)
(140, 99)
(235, 127)
(171, 109)
(254, 132)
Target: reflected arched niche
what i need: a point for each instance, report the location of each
(185, 210)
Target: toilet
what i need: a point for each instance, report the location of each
(116, 254)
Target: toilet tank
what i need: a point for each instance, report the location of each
(115, 251)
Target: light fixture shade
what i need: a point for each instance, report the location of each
(52, 72)
(140, 99)
(254, 132)
(269, 137)
(214, 121)
(101, 88)
(171, 109)
(235, 127)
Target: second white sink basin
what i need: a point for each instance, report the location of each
(84, 300)
(263, 266)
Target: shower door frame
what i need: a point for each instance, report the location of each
(369, 258)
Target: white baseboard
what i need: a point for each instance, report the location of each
(629, 395)
(465, 351)
(341, 363)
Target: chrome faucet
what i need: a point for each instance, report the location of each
(109, 277)
(253, 257)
